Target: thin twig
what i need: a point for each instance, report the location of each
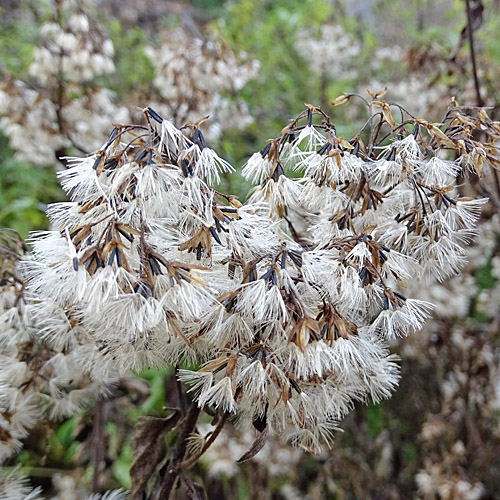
(374, 134)
(473, 53)
(180, 393)
(98, 444)
(169, 473)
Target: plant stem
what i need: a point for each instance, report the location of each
(180, 393)
(98, 444)
(473, 53)
(169, 473)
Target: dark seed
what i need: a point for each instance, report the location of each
(97, 162)
(294, 384)
(113, 135)
(324, 330)
(451, 200)
(252, 276)
(154, 115)
(182, 277)
(386, 303)
(112, 257)
(325, 149)
(202, 140)
(213, 232)
(283, 260)
(391, 155)
(196, 135)
(229, 210)
(265, 150)
(155, 267)
(266, 275)
(111, 163)
(140, 156)
(336, 333)
(365, 276)
(126, 235)
(274, 278)
(296, 257)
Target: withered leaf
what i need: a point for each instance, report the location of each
(149, 450)
(234, 202)
(376, 95)
(440, 136)
(478, 164)
(341, 99)
(386, 110)
(257, 445)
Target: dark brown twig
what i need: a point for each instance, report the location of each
(472, 53)
(180, 392)
(169, 473)
(98, 444)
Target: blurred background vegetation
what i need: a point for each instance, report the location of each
(417, 445)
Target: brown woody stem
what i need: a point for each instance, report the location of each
(169, 473)
(473, 53)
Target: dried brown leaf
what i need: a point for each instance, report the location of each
(440, 136)
(376, 95)
(478, 164)
(341, 99)
(149, 450)
(257, 445)
(386, 110)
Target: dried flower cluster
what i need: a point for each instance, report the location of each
(439, 438)
(289, 300)
(74, 45)
(459, 434)
(61, 107)
(331, 53)
(41, 378)
(337, 55)
(198, 77)
(14, 486)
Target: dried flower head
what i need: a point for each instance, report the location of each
(287, 301)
